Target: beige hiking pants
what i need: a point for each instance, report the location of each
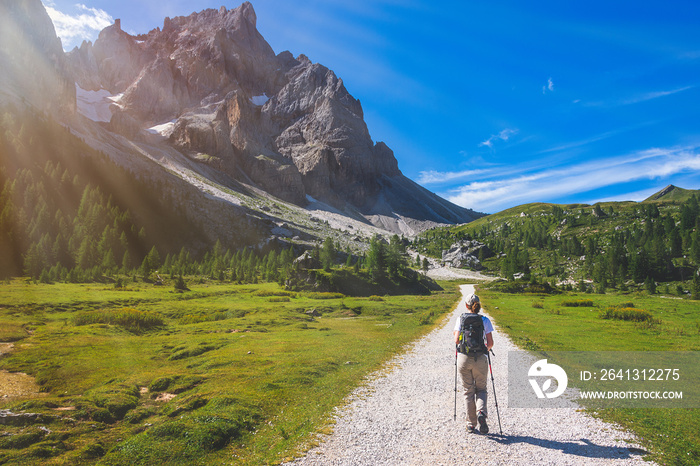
(473, 371)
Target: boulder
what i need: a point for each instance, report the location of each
(465, 254)
(307, 261)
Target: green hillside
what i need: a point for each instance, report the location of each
(590, 247)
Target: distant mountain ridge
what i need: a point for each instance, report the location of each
(672, 193)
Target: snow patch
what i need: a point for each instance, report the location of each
(95, 105)
(163, 129)
(259, 100)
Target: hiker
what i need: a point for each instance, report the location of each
(473, 338)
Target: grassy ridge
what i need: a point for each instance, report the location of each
(571, 322)
(225, 373)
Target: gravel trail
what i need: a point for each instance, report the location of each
(404, 416)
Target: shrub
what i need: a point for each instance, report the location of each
(268, 293)
(626, 313)
(578, 303)
(128, 318)
(323, 295)
(375, 298)
(538, 305)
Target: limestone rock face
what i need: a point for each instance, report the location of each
(285, 123)
(32, 63)
(158, 93)
(466, 254)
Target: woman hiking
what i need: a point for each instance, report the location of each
(473, 339)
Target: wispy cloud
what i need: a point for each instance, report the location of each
(598, 137)
(654, 95)
(502, 136)
(548, 87)
(635, 99)
(491, 195)
(433, 177)
(73, 29)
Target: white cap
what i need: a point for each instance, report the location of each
(471, 299)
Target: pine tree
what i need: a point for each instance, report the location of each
(108, 262)
(327, 254)
(395, 256)
(180, 284)
(650, 285)
(376, 257)
(153, 258)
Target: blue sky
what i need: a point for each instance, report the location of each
(492, 104)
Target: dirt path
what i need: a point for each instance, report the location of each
(405, 416)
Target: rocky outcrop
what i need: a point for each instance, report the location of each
(307, 261)
(8, 418)
(465, 254)
(32, 62)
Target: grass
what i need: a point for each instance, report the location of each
(220, 374)
(630, 322)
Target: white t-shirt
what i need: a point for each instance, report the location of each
(488, 326)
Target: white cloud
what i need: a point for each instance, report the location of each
(85, 25)
(549, 185)
(502, 136)
(548, 87)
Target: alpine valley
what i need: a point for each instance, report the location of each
(203, 254)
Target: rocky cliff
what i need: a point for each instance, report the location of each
(288, 125)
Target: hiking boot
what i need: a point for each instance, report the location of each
(483, 427)
(472, 430)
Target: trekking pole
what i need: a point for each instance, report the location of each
(455, 418)
(494, 392)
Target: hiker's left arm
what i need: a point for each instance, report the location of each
(489, 341)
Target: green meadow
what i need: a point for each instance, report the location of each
(612, 322)
(224, 373)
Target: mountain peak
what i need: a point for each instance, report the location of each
(248, 12)
(209, 86)
(672, 193)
